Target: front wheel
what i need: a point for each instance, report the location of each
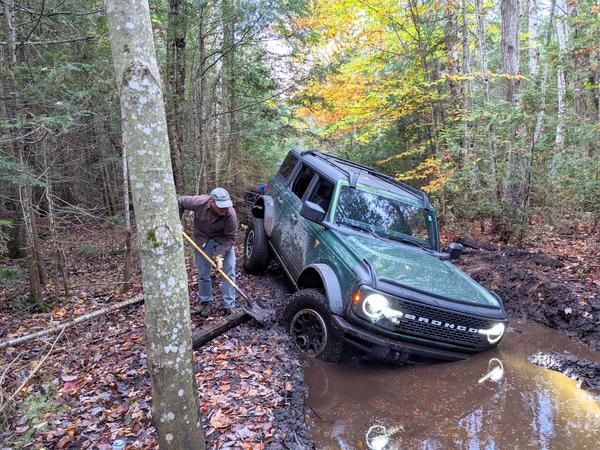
(309, 323)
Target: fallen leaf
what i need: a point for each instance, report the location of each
(220, 420)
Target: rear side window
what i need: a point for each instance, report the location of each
(302, 181)
(322, 193)
(285, 170)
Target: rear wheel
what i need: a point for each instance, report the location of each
(309, 323)
(256, 249)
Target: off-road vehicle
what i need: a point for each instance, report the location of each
(363, 252)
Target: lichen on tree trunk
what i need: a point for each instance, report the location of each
(167, 317)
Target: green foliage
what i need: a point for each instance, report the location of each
(39, 410)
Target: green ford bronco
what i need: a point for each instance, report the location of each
(363, 252)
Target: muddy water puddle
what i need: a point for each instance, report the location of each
(494, 400)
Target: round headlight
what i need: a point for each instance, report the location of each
(374, 305)
(495, 333)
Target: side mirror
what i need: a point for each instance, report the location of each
(312, 212)
(455, 250)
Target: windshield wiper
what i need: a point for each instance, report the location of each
(408, 241)
(357, 227)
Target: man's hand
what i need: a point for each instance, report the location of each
(218, 262)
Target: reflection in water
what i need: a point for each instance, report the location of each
(495, 400)
(495, 371)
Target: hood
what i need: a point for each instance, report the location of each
(415, 268)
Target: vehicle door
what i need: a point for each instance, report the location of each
(288, 240)
(278, 187)
(304, 240)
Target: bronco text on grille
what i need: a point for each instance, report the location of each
(431, 322)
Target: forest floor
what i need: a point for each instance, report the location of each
(93, 387)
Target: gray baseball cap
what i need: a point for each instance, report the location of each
(221, 198)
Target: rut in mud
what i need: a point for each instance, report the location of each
(534, 289)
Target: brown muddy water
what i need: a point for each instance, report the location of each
(494, 400)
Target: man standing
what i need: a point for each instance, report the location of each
(215, 227)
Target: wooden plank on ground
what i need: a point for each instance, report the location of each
(205, 334)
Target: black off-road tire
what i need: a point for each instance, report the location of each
(257, 253)
(308, 308)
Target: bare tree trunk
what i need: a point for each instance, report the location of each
(495, 188)
(56, 246)
(543, 83)
(201, 101)
(33, 268)
(451, 43)
(127, 217)
(231, 132)
(110, 200)
(561, 85)
(533, 48)
(467, 95)
(516, 176)
(167, 313)
(37, 246)
(16, 245)
(176, 50)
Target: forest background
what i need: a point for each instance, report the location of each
(491, 107)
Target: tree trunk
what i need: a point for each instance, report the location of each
(127, 220)
(110, 200)
(167, 313)
(56, 246)
(176, 47)
(16, 245)
(516, 176)
(532, 47)
(231, 132)
(495, 186)
(201, 101)
(466, 96)
(543, 83)
(561, 84)
(510, 48)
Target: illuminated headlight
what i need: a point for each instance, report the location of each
(376, 306)
(495, 333)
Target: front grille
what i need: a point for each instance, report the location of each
(440, 332)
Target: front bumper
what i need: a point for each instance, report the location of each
(384, 348)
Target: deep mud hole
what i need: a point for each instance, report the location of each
(534, 289)
(460, 405)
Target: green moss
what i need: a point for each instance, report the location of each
(151, 236)
(40, 410)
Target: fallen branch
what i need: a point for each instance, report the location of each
(83, 318)
(204, 335)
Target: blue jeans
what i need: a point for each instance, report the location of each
(204, 281)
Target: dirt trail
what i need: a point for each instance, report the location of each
(534, 288)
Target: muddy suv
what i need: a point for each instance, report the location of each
(362, 250)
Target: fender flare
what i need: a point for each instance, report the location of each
(330, 281)
(264, 208)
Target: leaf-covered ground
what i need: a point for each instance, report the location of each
(93, 387)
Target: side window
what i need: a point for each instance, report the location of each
(302, 181)
(322, 193)
(285, 170)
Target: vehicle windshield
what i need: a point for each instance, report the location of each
(385, 216)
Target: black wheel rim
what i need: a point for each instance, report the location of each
(309, 332)
(249, 243)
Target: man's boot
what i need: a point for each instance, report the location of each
(207, 309)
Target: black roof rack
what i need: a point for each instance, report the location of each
(333, 159)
